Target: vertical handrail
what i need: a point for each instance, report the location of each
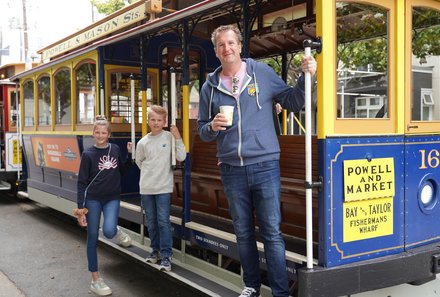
(133, 116)
(308, 148)
(101, 101)
(309, 184)
(173, 115)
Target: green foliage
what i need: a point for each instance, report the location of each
(62, 92)
(108, 7)
(44, 89)
(426, 32)
(359, 54)
(362, 37)
(293, 62)
(293, 65)
(86, 75)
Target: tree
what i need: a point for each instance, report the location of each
(426, 32)
(108, 7)
(362, 35)
(293, 66)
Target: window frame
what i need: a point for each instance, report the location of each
(47, 127)
(55, 99)
(415, 126)
(23, 108)
(76, 94)
(372, 125)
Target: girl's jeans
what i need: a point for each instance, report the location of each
(110, 210)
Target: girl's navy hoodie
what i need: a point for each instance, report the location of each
(100, 171)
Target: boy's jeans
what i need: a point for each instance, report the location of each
(157, 214)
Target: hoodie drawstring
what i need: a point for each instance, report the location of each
(257, 91)
(210, 102)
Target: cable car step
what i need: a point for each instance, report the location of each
(4, 186)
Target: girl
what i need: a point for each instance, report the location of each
(99, 189)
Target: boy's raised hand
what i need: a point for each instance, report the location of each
(175, 131)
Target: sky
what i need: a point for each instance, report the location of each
(47, 20)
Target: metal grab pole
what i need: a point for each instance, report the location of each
(308, 136)
(133, 116)
(101, 101)
(173, 116)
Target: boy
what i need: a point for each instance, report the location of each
(153, 157)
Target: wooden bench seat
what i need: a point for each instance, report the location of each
(293, 193)
(207, 194)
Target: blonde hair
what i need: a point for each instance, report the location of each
(160, 110)
(225, 28)
(101, 120)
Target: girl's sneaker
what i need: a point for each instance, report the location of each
(100, 288)
(122, 238)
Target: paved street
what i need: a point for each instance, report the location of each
(42, 254)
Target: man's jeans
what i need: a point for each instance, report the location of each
(110, 210)
(157, 214)
(257, 186)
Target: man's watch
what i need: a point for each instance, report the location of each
(210, 127)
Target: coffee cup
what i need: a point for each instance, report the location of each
(228, 112)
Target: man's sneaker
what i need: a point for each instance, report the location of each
(100, 288)
(250, 292)
(165, 264)
(153, 257)
(122, 238)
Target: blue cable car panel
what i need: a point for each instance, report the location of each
(422, 190)
(363, 199)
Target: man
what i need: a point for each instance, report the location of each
(248, 151)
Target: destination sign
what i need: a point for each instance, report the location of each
(366, 179)
(368, 219)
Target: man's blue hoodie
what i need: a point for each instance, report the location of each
(251, 138)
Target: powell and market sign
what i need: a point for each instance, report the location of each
(116, 23)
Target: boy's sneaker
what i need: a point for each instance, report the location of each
(250, 292)
(153, 257)
(165, 264)
(100, 288)
(122, 238)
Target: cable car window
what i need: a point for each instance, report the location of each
(85, 93)
(63, 101)
(28, 90)
(194, 89)
(362, 61)
(43, 85)
(172, 57)
(425, 64)
(120, 98)
(13, 107)
(295, 121)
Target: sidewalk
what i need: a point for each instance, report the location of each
(8, 288)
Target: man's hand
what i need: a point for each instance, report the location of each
(308, 64)
(219, 122)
